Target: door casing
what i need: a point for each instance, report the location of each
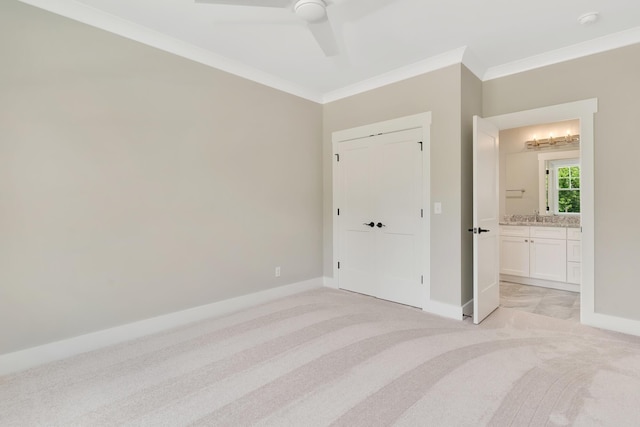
(584, 111)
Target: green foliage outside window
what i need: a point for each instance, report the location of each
(568, 184)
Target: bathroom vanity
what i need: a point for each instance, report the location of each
(534, 252)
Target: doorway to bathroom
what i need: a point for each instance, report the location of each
(583, 111)
(539, 193)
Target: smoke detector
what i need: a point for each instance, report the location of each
(588, 18)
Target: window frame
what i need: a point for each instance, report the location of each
(553, 189)
(544, 158)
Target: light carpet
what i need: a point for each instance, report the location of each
(328, 357)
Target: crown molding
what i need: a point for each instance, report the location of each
(105, 21)
(473, 63)
(462, 55)
(430, 64)
(590, 47)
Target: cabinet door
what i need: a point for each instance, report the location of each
(548, 259)
(574, 271)
(574, 251)
(514, 256)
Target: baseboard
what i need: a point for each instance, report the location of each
(30, 357)
(330, 282)
(539, 282)
(443, 309)
(612, 323)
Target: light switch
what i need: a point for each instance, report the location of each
(437, 208)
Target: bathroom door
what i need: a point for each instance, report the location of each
(486, 245)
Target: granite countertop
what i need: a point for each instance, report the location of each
(542, 221)
(539, 224)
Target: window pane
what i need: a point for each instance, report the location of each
(575, 171)
(563, 172)
(563, 182)
(575, 182)
(569, 201)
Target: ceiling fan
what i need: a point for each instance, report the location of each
(314, 13)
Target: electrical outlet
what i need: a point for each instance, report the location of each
(277, 271)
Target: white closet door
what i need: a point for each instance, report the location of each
(399, 195)
(357, 208)
(381, 182)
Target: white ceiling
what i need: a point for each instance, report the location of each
(381, 40)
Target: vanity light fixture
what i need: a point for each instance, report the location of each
(553, 141)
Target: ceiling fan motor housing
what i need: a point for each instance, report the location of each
(310, 10)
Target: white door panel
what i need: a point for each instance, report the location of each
(357, 241)
(381, 178)
(486, 266)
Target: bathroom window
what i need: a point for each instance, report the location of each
(563, 184)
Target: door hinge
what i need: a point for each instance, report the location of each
(547, 171)
(422, 280)
(420, 142)
(338, 265)
(337, 157)
(338, 211)
(421, 213)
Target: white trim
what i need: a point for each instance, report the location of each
(403, 73)
(403, 123)
(474, 63)
(612, 323)
(329, 282)
(445, 310)
(461, 55)
(24, 359)
(590, 47)
(421, 120)
(105, 21)
(584, 111)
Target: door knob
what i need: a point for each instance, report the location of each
(371, 224)
(478, 230)
(380, 225)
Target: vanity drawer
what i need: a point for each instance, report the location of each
(514, 230)
(548, 232)
(574, 234)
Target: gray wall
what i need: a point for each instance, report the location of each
(439, 92)
(135, 183)
(471, 106)
(612, 77)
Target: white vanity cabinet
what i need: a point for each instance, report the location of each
(548, 253)
(540, 256)
(574, 255)
(514, 250)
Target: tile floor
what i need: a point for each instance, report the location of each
(544, 301)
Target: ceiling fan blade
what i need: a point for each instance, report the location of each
(323, 33)
(261, 3)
